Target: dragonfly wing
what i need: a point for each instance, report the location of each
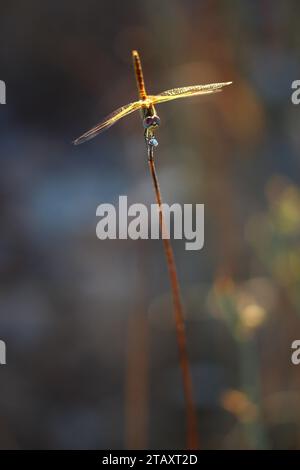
(108, 121)
(185, 92)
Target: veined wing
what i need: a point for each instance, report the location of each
(187, 91)
(108, 121)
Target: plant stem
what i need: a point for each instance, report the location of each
(191, 415)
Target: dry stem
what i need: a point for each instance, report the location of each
(191, 418)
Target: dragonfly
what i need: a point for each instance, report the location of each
(146, 105)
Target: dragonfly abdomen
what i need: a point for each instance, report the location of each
(139, 75)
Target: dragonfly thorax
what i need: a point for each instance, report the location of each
(151, 121)
(150, 117)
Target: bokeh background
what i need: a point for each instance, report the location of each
(92, 357)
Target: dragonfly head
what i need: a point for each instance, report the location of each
(151, 121)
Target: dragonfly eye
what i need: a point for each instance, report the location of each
(152, 142)
(156, 121)
(148, 122)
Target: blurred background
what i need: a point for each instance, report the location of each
(91, 350)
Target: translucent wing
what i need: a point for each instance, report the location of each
(108, 121)
(187, 91)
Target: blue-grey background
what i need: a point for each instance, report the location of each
(91, 352)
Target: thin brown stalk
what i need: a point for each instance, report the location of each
(191, 415)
